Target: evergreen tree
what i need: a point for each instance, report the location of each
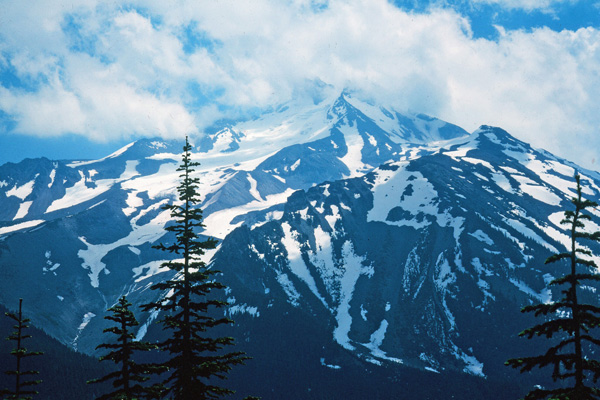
(568, 319)
(129, 378)
(22, 389)
(196, 356)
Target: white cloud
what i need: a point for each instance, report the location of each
(527, 5)
(541, 86)
(52, 111)
(137, 77)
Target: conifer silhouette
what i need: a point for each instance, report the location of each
(568, 318)
(127, 380)
(22, 390)
(196, 355)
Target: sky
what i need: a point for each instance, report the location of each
(80, 79)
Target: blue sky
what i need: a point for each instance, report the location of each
(80, 79)
(516, 14)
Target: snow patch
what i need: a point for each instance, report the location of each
(219, 224)
(85, 321)
(473, 366)
(158, 145)
(529, 233)
(323, 363)
(135, 250)
(23, 225)
(375, 342)
(353, 157)
(93, 254)
(79, 193)
(502, 182)
(477, 161)
(144, 328)
(50, 265)
(133, 203)
(352, 269)
(444, 278)
(288, 288)
(295, 165)
(459, 153)
(52, 177)
(482, 237)
(253, 188)
(22, 191)
(363, 313)
(483, 178)
(113, 155)
(332, 219)
(540, 193)
(322, 258)
(418, 197)
(23, 210)
(544, 297)
(372, 140)
(295, 261)
(243, 309)
(510, 170)
(152, 268)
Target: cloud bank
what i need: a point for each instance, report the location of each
(109, 72)
(527, 5)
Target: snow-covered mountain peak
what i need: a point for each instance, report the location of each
(413, 261)
(402, 127)
(489, 136)
(395, 239)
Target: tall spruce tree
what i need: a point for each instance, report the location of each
(568, 319)
(128, 380)
(22, 390)
(196, 357)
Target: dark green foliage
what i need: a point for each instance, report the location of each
(64, 370)
(195, 357)
(22, 390)
(129, 378)
(568, 358)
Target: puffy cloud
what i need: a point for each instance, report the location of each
(153, 69)
(541, 86)
(52, 110)
(527, 5)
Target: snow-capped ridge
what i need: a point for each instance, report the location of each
(390, 237)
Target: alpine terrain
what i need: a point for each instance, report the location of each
(367, 253)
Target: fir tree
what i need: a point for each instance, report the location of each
(568, 319)
(22, 389)
(129, 378)
(196, 358)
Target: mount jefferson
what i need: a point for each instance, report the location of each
(366, 252)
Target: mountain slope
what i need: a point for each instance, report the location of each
(78, 234)
(422, 263)
(63, 371)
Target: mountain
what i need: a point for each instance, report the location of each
(362, 247)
